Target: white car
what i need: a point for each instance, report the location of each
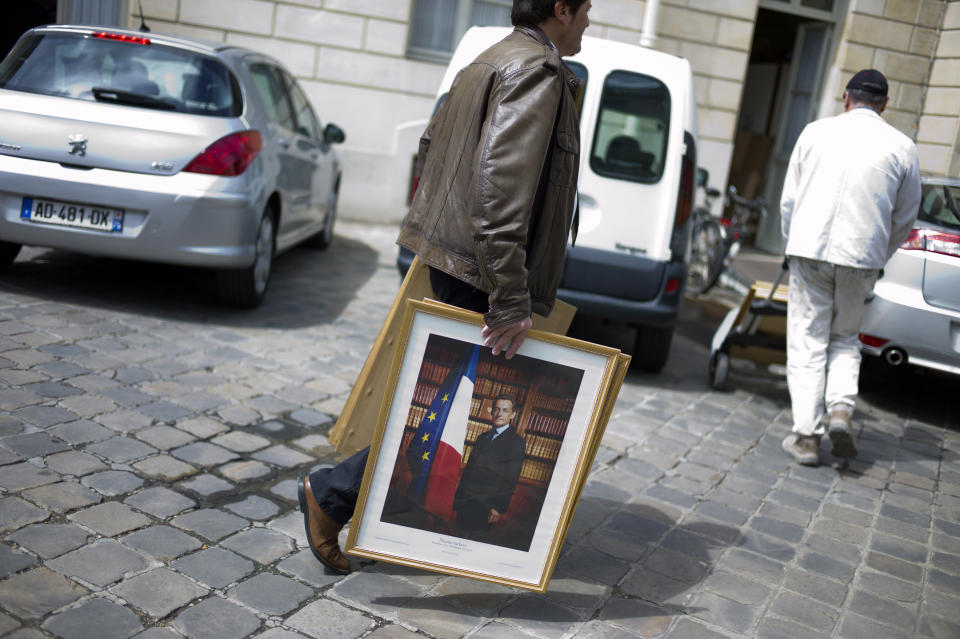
(914, 315)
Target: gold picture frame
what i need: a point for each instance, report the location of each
(357, 421)
(478, 462)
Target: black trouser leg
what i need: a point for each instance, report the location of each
(337, 488)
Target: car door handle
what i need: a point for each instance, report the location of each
(283, 142)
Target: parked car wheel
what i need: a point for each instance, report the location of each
(652, 347)
(324, 238)
(8, 253)
(246, 287)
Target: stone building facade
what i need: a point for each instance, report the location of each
(763, 68)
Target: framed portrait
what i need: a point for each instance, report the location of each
(478, 461)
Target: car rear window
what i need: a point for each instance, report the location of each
(630, 141)
(941, 205)
(145, 75)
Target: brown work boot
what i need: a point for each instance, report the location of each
(805, 449)
(838, 427)
(322, 531)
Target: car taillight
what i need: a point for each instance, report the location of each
(228, 156)
(933, 241)
(673, 285)
(121, 37)
(870, 340)
(685, 196)
(414, 183)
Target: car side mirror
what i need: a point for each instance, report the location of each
(332, 134)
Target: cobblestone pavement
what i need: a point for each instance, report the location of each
(150, 442)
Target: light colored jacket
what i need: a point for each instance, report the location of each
(852, 191)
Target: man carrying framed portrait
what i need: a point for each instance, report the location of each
(498, 169)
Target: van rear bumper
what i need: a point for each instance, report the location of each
(660, 309)
(622, 286)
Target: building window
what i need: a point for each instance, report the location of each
(108, 13)
(437, 25)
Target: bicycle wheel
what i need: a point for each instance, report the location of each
(706, 256)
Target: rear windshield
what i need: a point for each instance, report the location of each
(140, 75)
(941, 205)
(630, 142)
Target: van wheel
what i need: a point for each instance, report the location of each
(652, 347)
(246, 287)
(8, 253)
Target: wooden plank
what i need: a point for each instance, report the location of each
(357, 422)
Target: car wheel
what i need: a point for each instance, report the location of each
(8, 253)
(246, 287)
(652, 347)
(324, 238)
(718, 370)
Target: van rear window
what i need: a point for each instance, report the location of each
(630, 141)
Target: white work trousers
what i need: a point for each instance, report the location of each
(825, 306)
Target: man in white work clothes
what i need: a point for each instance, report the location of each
(850, 198)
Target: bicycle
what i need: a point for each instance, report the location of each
(705, 242)
(716, 242)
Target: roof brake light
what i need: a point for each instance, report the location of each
(120, 37)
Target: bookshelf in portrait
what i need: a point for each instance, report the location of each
(542, 397)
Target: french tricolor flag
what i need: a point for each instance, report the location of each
(440, 437)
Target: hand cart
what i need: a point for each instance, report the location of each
(756, 330)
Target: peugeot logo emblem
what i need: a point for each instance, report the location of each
(78, 144)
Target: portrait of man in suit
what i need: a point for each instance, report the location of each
(491, 474)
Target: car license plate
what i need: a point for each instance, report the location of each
(95, 218)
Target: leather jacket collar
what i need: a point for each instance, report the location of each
(553, 56)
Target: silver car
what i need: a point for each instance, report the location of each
(914, 315)
(151, 147)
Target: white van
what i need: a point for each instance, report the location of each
(638, 143)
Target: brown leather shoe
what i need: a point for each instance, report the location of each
(322, 530)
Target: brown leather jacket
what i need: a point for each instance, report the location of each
(498, 175)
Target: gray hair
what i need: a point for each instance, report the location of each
(867, 99)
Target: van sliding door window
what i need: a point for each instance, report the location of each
(437, 25)
(630, 141)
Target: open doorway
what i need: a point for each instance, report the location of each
(781, 90)
(22, 15)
